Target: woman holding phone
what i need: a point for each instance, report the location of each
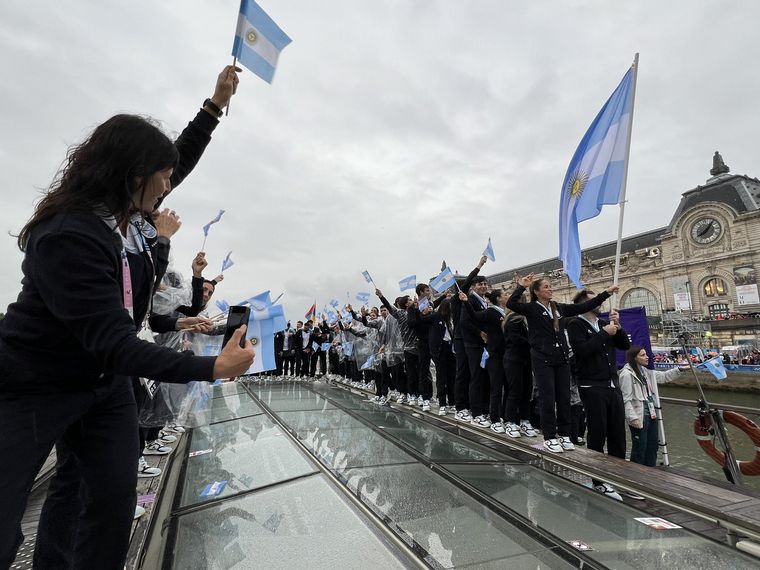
(69, 345)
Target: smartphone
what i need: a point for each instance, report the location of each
(237, 317)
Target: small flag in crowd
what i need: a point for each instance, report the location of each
(596, 173)
(223, 305)
(423, 303)
(227, 263)
(325, 346)
(367, 276)
(443, 281)
(332, 318)
(348, 348)
(212, 222)
(488, 252)
(716, 368)
(314, 346)
(311, 312)
(258, 40)
(369, 363)
(408, 283)
(484, 358)
(335, 303)
(362, 297)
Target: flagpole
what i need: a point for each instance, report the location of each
(234, 65)
(203, 247)
(613, 302)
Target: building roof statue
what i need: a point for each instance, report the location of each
(719, 167)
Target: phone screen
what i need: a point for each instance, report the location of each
(237, 317)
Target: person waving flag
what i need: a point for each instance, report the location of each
(258, 40)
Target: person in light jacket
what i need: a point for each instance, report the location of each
(641, 400)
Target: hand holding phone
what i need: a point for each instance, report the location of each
(237, 317)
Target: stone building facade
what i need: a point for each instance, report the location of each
(701, 267)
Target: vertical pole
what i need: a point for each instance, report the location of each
(227, 110)
(625, 181)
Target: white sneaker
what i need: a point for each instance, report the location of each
(566, 444)
(411, 400)
(553, 445)
(166, 437)
(145, 470)
(401, 399)
(513, 430)
(374, 399)
(442, 411)
(481, 421)
(434, 401)
(527, 430)
(382, 400)
(175, 428)
(139, 511)
(463, 416)
(425, 405)
(155, 448)
(498, 427)
(608, 491)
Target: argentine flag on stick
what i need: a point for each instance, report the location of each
(207, 227)
(488, 251)
(227, 262)
(258, 40)
(407, 283)
(443, 281)
(597, 173)
(715, 367)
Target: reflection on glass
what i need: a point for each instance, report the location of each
(571, 512)
(453, 528)
(244, 454)
(226, 389)
(235, 406)
(303, 524)
(305, 420)
(301, 401)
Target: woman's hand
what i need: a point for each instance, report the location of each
(612, 289)
(636, 424)
(166, 222)
(463, 296)
(234, 361)
(524, 282)
(226, 86)
(195, 324)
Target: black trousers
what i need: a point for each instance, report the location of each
(99, 430)
(322, 358)
(288, 363)
(605, 419)
(496, 381)
(278, 361)
(302, 363)
(462, 378)
(554, 397)
(425, 381)
(445, 372)
(478, 388)
(398, 377)
(519, 390)
(411, 366)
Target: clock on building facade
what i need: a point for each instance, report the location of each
(706, 230)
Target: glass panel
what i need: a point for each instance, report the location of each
(245, 454)
(306, 401)
(571, 512)
(341, 449)
(237, 406)
(306, 421)
(437, 444)
(227, 389)
(303, 524)
(453, 528)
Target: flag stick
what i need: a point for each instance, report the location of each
(613, 302)
(227, 110)
(203, 247)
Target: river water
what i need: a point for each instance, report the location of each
(683, 449)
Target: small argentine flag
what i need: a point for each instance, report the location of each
(716, 368)
(445, 280)
(227, 262)
(207, 227)
(362, 297)
(258, 40)
(488, 252)
(408, 283)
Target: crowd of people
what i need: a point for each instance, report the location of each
(518, 364)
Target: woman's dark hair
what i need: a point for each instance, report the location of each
(494, 295)
(402, 301)
(113, 163)
(444, 311)
(630, 358)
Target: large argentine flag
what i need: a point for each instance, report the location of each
(258, 40)
(596, 173)
(261, 329)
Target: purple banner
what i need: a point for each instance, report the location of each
(634, 322)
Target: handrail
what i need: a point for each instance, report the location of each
(718, 405)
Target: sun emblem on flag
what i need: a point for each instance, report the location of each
(251, 36)
(254, 341)
(577, 183)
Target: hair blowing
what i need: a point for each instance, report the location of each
(108, 168)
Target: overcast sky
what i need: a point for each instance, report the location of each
(396, 133)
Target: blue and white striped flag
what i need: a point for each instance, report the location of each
(227, 263)
(367, 276)
(596, 173)
(325, 347)
(369, 363)
(335, 303)
(445, 280)
(488, 252)
(362, 297)
(716, 367)
(223, 305)
(258, 40)
(423, 304)
(207, 227)
(348, 348)
(408, 283)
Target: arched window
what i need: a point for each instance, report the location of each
(641, 297)
(715, 287)
(718, 310)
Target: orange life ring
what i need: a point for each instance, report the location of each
(706, 440)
